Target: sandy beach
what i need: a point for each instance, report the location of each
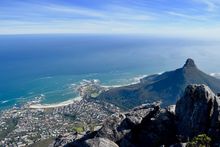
(82, 91)
(65, 103)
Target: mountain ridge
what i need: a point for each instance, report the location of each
(168, 87)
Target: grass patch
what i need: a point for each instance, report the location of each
(78, 129)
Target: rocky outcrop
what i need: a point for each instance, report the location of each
(214, 128)
(152, 131)
(99, 142)
(146, 124)
(195, 113)
(117, 126)
(189, 63)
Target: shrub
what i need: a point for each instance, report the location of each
(201, 140)
(78, 129)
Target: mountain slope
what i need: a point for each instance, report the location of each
(167, 87)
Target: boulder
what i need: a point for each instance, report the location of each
(99, 142)
(152, 131)
(179, 145)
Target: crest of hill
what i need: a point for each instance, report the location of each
(167, 87)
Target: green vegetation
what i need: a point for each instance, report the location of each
(201, 140)
(71, 117)
(82, 127)
(43, 143)
(11, 124)
(78, 128)
(95, 94)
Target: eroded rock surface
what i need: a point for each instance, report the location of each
(197, 112)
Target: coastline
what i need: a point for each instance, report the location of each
(35, 104)
(79, 98)
(65, 103)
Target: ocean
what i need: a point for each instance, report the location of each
(52, 66)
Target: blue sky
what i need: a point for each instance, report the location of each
(159, 17)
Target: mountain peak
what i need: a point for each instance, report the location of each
(189, 63)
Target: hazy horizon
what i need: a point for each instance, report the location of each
(163, 18)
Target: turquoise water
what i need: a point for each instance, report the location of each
(60, 88)
(53, 65)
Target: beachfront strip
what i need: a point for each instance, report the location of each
(25, 125)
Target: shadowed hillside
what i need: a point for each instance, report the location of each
(167, 87)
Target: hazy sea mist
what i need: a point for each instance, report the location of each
(52, 65)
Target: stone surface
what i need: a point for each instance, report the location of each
(152, 131)
(194, 111)
(179, 145)
(100, 142)
(118, 125)
(214, 128)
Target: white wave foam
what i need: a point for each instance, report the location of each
(47, 77)
(217, 75)
(133, 80)
(55, 105)
(160, 73)
(138, 78)
(5, 101)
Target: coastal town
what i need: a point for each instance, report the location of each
(33, 122)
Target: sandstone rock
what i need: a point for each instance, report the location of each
(195, 110)
(179, 145)
(171, 109)
(152, 131)
(214, 128)
(100, 142)
(118, 125)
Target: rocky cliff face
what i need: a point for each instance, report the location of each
(197, 112)
(149, 125)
